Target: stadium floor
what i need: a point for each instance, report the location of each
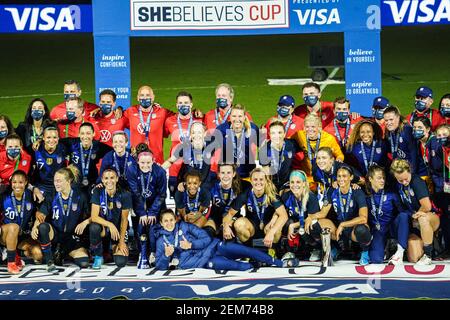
(344, 280)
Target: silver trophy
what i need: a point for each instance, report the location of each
(327, 259)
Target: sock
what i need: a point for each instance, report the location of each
(428, 249)
(11, 254)
(400, 249)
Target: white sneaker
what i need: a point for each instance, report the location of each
(287, 256)
(424, 261)
(396, 260)
(315, 255)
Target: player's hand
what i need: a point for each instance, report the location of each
(98, 186)
(115, 235)
(122, 248)
(308, 224)
(181, 187)
(40, 217)
(36, 145)
(268, 239)
(94, 112)
(335, 184)
(81, 226)
(38, 195)
(355, 186)
(185, 245)
(227, 232)
(144, 220)
(168, 250)
(339, 232)
(118, 113)
(197, 113)
(355, 115)
(35, 233)
(291, 232)
(151, 220)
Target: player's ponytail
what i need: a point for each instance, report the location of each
(70, 173)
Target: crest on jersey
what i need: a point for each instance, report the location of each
(400, 139)
(49, 161)
(59, 160)
(74, 206)
(110, 205)
(378, 150)
(93, 156)
(113, 120)
(28, 206)
(24, 163)
(293, 126)
(411, 192)
(118, 204)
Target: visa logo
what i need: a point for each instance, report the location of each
(318, 17)
(419, 11)
(46, 19)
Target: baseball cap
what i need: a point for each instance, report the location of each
(286, 100)
(424, 92)
(381, 102)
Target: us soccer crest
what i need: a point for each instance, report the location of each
(49, 161)
(93, 156)
(59, 160)
(28, 206)
(24, 163)
(74, 206)
(411, 192)
(118, 204)
(110, 205)
(378, 150)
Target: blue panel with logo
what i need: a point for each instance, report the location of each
(407, 12)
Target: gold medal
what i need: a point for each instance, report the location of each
(261, 226)
(110, 205)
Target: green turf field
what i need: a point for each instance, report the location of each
(39, 64)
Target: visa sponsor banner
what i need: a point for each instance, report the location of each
(45, 18)
(415, 12)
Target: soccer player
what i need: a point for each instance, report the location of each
(146, 122)
(17, 215)
(31, 129)
(67, 213)
(277, 155)
(109, 220)
(367, 146)
(6, 128)
(416, 200)
(350, 207)
(291, 122)
(12, 159)
(401, 142)
(423, 101)
(444, 108)
(303, 207)
(72, 90)
(265, 214)
(386, 217)
(425, 142)
(106, 121)
(378, 106)
(148, 185)
(193, 248)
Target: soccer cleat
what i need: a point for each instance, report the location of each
(424, 261)
(13, 268)
(19, 262)
(364, 260)
(98, 261)
(58, 256)
(174, 263)
(152, 259)
(396, 260)
(287, 256)
(290, 263)
(315, 255)
(142, 262)
(51, 266)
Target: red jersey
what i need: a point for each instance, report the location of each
(343, 133)
(70, 129)
(155, 117)
(2, 147)
(292, 125)
(326, 113)
(434, 115)
(8, 166)
(108, 125)
(210, 118)
(59, 111)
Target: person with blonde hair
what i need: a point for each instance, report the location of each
(416, 199)
(265, 214)
(61, 221)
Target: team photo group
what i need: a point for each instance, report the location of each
(89, 184)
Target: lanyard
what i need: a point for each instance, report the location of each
(34, 135)
(85, 165)
(194, 161)
(301, 212)
(17, 163)
(277, 157)
(343, 141)
(372, 153)
(145, 125)
(225, 117)
(22, 207)
(116, 164)
(413, 116)
(394, 146)
(237, 148)
(377, 213)
(406, 194)
(310, 149)
(287, 125)
(69, 205)
(231, 197)
(108, 209)
(192, 208)
(146, 192)
(260, 211)
(180, 128)
(345, 209)
(175, 244)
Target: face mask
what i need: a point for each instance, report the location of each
(184, 109)
(222, 103)
(378, 113)
(37, 114)
(311, 100)
(341, 116)
(106, 108)
(145, 103)
(71, 115)
(421, 105)
(13, 152)
(283, 111)
(418, 133)
(3, 134)
(442, 140)
(445, 111)
(70, 96)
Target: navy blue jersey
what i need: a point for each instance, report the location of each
(402, 145)
(192, 204)
(435, 157)
(367, 155)
(280, 161)
(86, 159)
(294, 207)
(221, 200)
(111, 207)
(21, 212)
(327, 178)
(348, 209)
(148, 189)
(47, 165)
(390, 207)
(413, 193)
(121, 164)
(66, 214)
(240, 151)
(256, 211)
